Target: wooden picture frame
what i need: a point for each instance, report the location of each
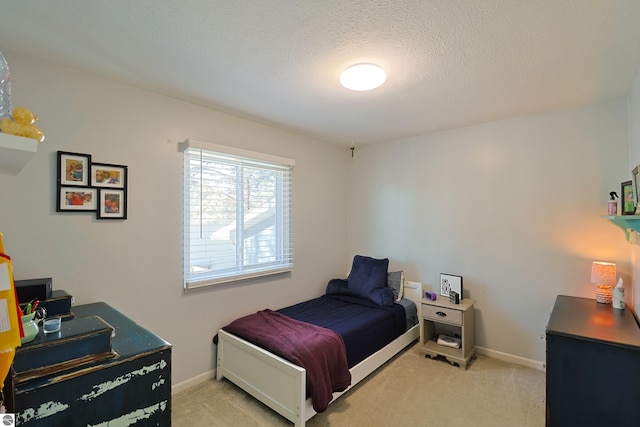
(450, 282)
(73, 169)
(105, 175)
(627, 198)
(112, 203)
(73, 199)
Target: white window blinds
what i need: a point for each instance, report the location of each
(237, 214)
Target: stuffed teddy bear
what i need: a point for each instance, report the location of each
(22, 124)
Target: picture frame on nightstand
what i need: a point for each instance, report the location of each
(450, 282)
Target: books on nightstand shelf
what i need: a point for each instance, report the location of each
(449, 341)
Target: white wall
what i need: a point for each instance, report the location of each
(513, 206)
(136, 265)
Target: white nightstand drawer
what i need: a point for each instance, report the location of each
(442, 314)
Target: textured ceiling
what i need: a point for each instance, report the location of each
(449, 63)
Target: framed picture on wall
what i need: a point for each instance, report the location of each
(86, 186)
(73, 168)
(628, 198)
(76, 199)
(108, 176)
(112, 204)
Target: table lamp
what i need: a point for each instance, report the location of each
(603, 274)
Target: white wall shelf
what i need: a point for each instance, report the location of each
(628, 223)
(15, 153)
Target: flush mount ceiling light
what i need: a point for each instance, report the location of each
(361, 77)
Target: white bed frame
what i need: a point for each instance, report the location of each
(280, 384)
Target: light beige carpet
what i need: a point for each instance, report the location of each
(410, 390)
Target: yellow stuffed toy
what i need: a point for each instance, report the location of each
(22, 124)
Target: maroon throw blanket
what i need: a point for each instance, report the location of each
(318, 350)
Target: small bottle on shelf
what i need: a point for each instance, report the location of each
(613, 204)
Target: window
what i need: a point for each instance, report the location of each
(237, 214)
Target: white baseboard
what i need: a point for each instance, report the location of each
(530, 363)
(192, 382)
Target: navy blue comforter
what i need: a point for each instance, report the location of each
(364, 327)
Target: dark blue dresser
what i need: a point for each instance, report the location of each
(593, 365)
(101, 369)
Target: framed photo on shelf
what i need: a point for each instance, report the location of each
(76, 199)
(112, 204)
(73, 168)
(449, 282)
(635, 183)
(108, 176)
(628, 198)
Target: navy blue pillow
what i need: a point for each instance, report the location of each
(367, 280)
(337, 287)
(367, 274)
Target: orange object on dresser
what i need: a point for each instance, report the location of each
(10, 325)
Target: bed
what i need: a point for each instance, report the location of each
(283, 385)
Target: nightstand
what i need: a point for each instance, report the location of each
(441, 316)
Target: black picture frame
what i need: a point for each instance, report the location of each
(106, 175)
(73, 169)
(627, 198)
(450, 282)
(72, 183)
(112, 203)
(75, 199)
(91, 187)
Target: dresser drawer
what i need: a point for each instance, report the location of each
(441, 314)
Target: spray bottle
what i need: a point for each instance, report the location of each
(613, 204)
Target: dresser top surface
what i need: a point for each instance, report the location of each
(130, 338)
(584, 318)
